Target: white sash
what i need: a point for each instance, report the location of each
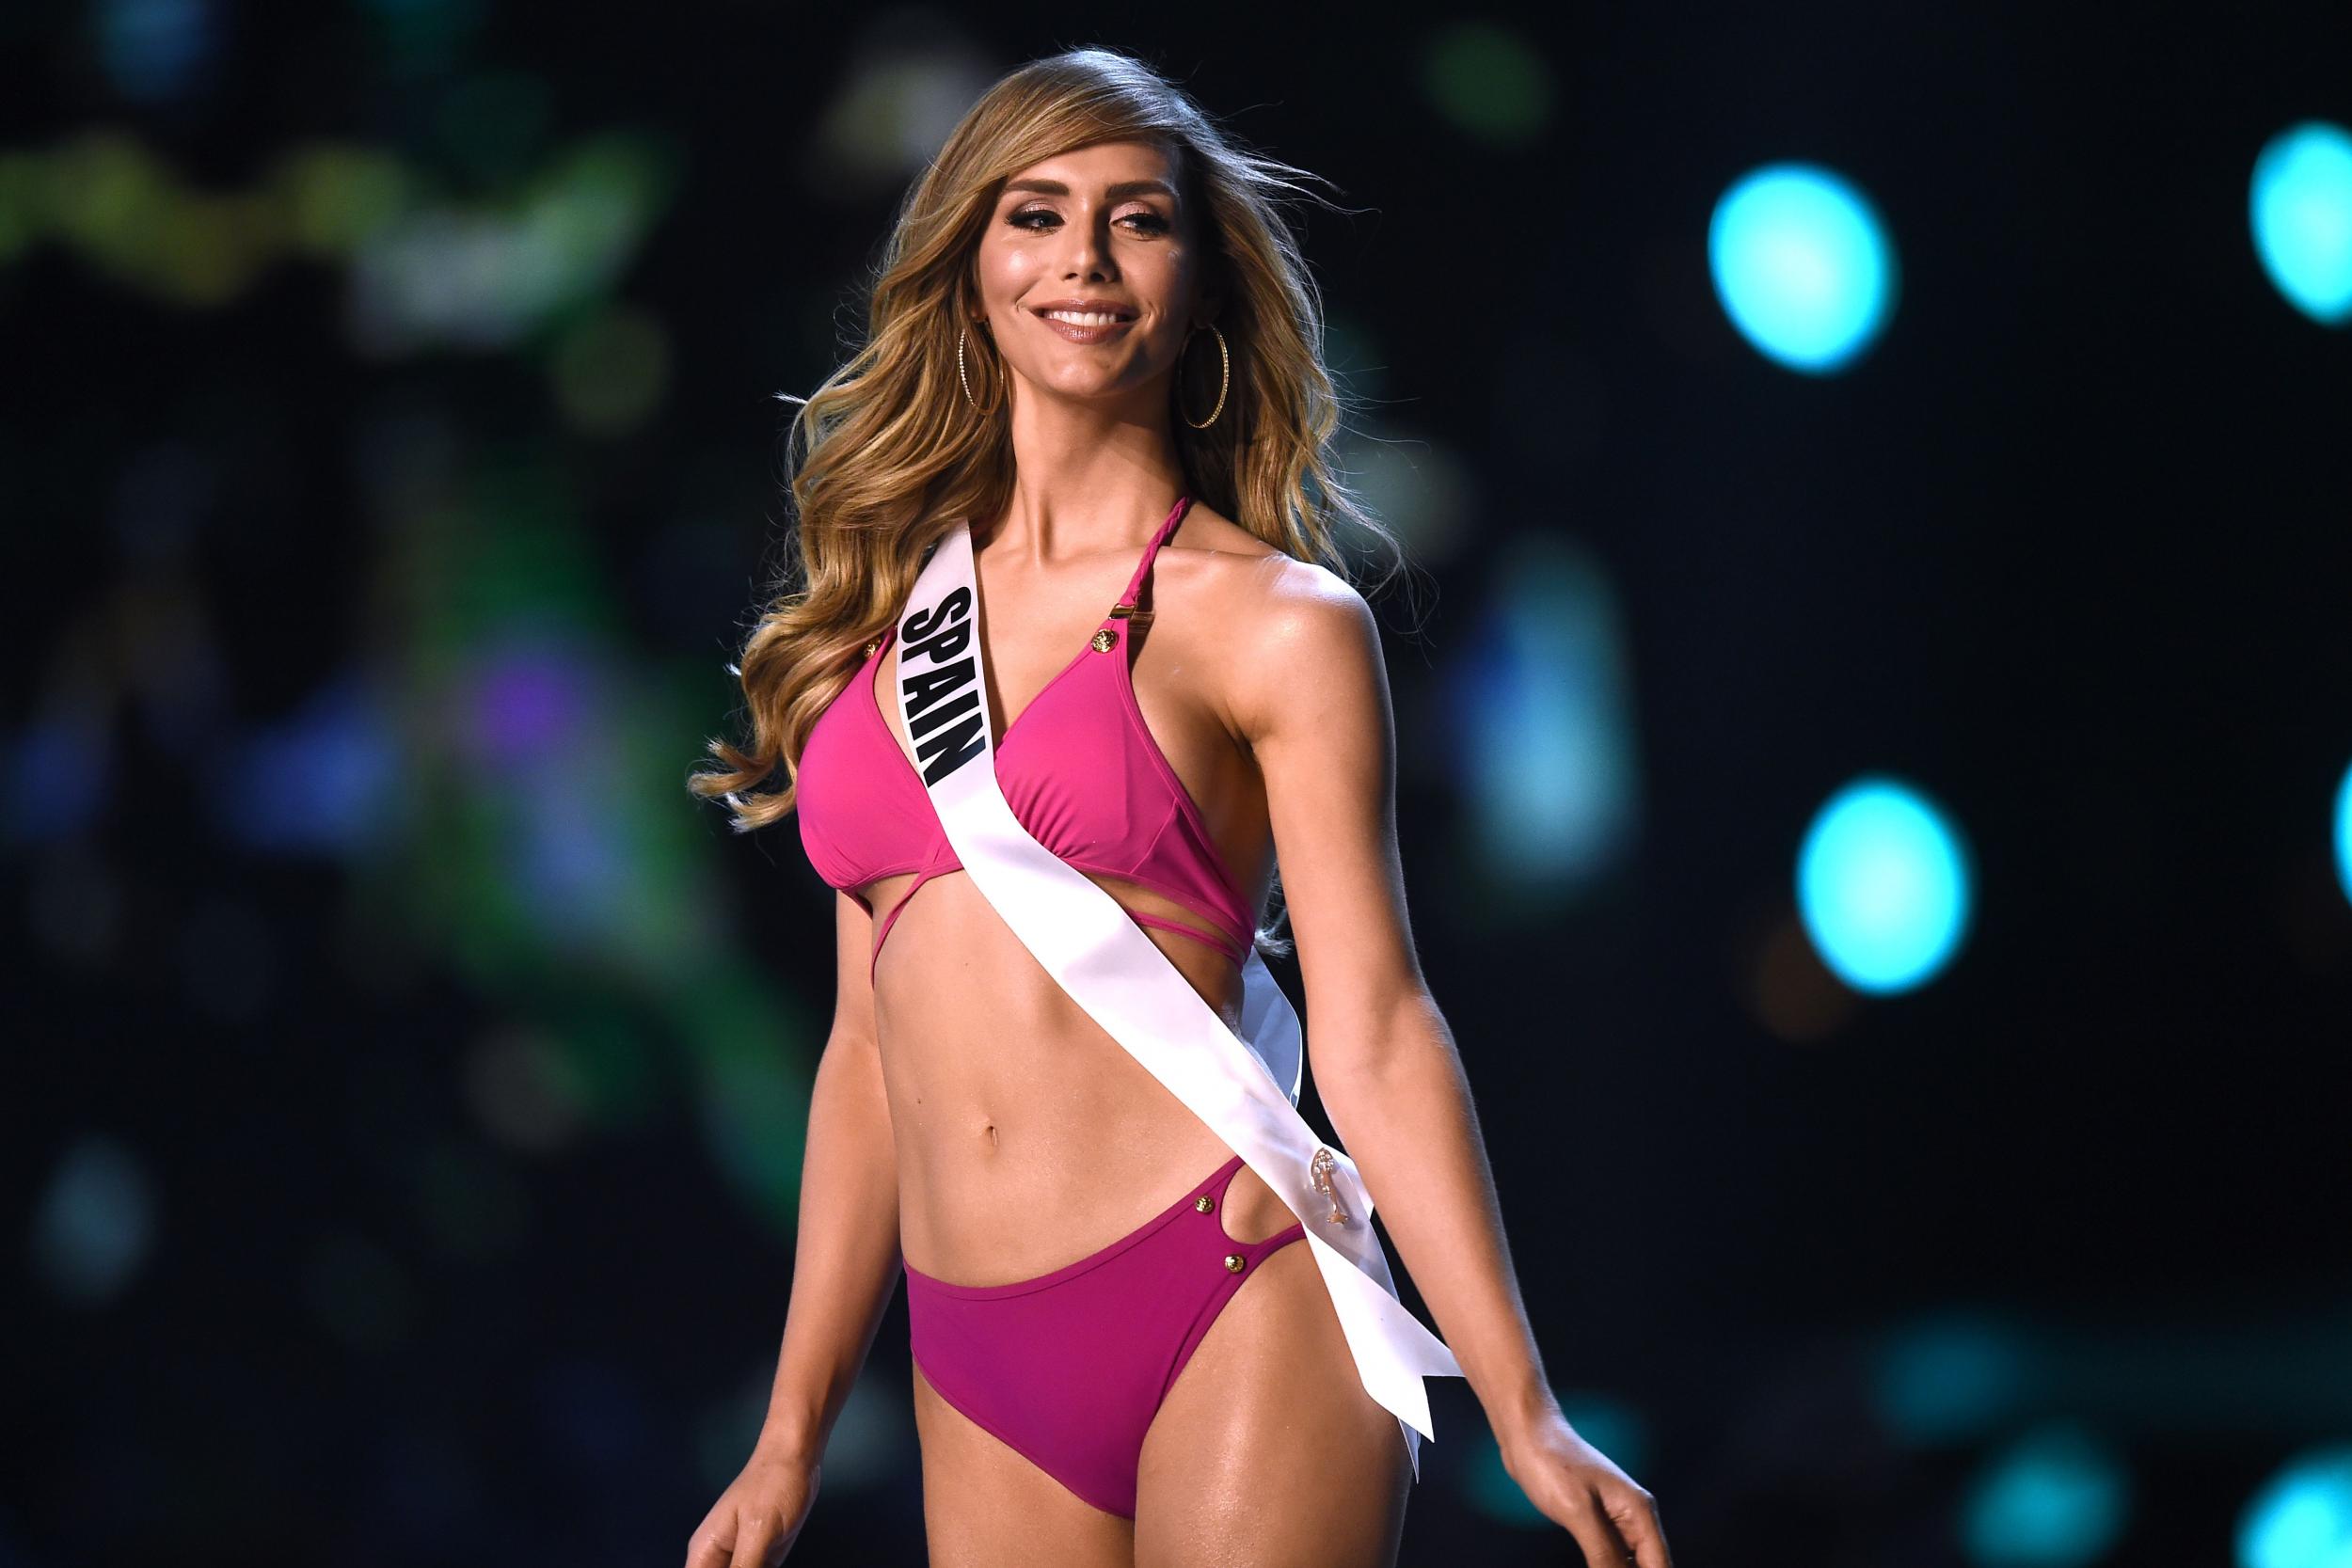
(1247, 1089)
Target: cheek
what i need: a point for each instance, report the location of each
(1168, 277)
(1005, 272)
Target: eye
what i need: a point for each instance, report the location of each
(1147, 221)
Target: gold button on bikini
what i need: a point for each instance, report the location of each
(1204, 1203)
(1232, 1262)
(1106, 640)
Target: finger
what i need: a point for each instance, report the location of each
(752, 1548)
(711, 1543)
(1599, 1542)
(1634, 1513)
(1648, 1537)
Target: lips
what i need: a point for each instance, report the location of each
(1089, 307)
(1109, 322)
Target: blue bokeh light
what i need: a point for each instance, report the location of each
(156, 50)
(327, 780)
(2344, 832)
(1882, 885)
(2057, 1497)
(1544, 718)
(2302, 1517)
(1951, 1376)
(1802, 266)
(2299, 205)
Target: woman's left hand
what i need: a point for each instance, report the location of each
(1614, 1520)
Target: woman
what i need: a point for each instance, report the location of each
(1093, 340)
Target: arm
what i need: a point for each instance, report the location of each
(1310, 696)
(847, 1259)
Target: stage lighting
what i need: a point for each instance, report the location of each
(1803, 267)
(1883, 886)
(2301, 206)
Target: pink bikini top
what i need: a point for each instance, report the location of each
(1078, 766)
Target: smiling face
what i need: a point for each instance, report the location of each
(1103, 226)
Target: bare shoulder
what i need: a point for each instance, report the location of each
(1277, 618)
(1205, 531)
(1245, 580)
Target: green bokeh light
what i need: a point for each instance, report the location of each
(1490, 82)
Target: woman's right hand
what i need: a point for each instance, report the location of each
(754, 1521)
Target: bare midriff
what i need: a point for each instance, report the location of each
(1028, 1137)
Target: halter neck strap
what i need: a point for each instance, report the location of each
(1159, 537)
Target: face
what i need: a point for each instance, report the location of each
(1102, 226)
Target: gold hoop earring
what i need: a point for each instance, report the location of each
(1224, 381)
(961, 376)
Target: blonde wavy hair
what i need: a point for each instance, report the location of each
(888, 453)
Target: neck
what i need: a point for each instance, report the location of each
(1088, 478)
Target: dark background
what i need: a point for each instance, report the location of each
(404, 1077)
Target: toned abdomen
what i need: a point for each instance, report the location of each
(1027, 1136)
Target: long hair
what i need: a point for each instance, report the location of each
(890, 451)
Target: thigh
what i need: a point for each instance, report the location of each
(1267, 1449)
(984, 1504)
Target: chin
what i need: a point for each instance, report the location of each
(1092, 389)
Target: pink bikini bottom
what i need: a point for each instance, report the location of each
(1068, 1368)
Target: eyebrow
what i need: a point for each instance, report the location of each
(1116, 193)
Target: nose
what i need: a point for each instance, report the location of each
(1089, 255)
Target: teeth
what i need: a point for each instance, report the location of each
(1083, 318)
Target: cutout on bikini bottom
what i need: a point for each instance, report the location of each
(1070, 1369)
(1277, 1219)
